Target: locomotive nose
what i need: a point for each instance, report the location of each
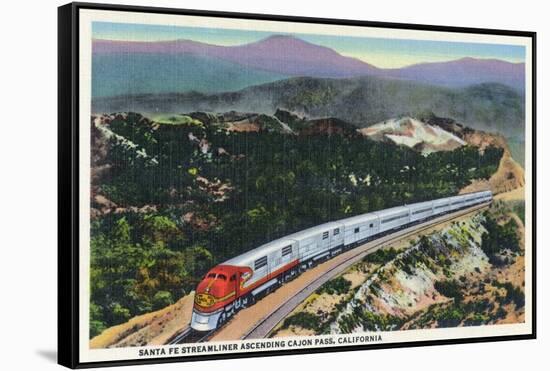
(213, 297)
(208, 295)
(209, 287)
(215, 284)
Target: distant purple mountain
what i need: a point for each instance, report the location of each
(465, 71)
(285, 55)
(291, 56)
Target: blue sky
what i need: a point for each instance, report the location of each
(385, 53)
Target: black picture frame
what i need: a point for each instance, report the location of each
(68, 180)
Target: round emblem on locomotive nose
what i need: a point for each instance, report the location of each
(205, 300)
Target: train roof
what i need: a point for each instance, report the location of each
(486, 192)
(420, 204)
(278, 244)
(310, 232)
(359, 219)
(290, 239)
(442, 200)
(260, 251)
(391, 211)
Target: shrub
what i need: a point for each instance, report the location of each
(450, 289)
(303, 319)
(162, 299)
(96, 328)
(513, 294)
(381, 256)
(501, 313)
(498, 238)
(338, 286)
(450, 317)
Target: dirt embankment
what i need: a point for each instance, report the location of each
(243, 127)
(153, 328)
(509, 176)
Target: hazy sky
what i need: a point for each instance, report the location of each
(385, 53)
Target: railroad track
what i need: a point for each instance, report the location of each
(263, 327)
(188, 335)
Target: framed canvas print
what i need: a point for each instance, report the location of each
(238, 185)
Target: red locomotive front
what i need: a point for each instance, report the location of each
(217, 289)
(215, 294)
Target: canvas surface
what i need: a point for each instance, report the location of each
(254, 185)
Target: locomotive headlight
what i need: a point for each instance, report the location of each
(204, 300)
(201, 319)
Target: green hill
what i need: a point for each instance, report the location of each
(361, 101)
(122, 73)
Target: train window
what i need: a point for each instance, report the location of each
(211, 275)
(325, 235)
(371, 225)
(287, 250)
(259, 263)
(394, 218)
(422, 210)
(233, 277)
(356, 230)
(336, 231)
(222, 277)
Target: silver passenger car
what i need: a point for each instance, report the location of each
(360, 228)
(393, 218)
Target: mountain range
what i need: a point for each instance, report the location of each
(362, 101)
(273, 58)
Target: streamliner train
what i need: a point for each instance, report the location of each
(239, 281)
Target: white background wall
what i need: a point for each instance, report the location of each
(28, 155)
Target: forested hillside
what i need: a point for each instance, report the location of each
(174, 195)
